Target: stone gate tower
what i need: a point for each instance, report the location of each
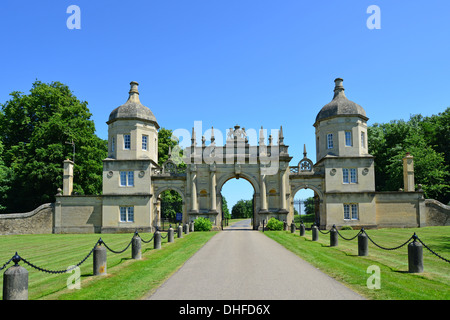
(132, 152)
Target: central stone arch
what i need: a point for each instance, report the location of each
(265, 166)
(224, 177)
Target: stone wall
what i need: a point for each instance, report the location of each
(436, 213)
(38, 221)
(78, 214)
(400, 209)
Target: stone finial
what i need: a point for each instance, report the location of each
(280, 136)
(212, 135)
(134, 92)
(339, 88)
(193, 139)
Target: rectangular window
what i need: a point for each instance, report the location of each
(126, 178)
(353, 176)
(126, 214)
(144, 142)
(347, 211)
(126, 142)
(131, 214)
(349, 175)
(123, 214)
(345, 175)
(351, 211)
(354, 211)
(130, 181)
(363, 139)
(348, 138)
(123, 178)
(113, 142)
(330, 141)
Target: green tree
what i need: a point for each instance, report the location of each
(34, 129)
(242, 209)
(310, 206)
(389, 143)
(171, 201)
(166, 143)
(5, 181)
(171, 204)
(225, 210)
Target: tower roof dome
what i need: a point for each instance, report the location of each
(133, 109)
(340, 105)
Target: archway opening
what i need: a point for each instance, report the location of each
(306, 206)
(170, 208)
(238, 199)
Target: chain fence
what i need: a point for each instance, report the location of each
(414, 237)
(16, 258)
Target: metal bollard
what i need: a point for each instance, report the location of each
(415, 256)
(170, 234)
(363, 244)
(186, 228)
(180, 231)
(315, 233)
(292, 227)
(15, 281)
(157, 239)
(333, 237)
(136, 247)
(302, 229)
(99, 259)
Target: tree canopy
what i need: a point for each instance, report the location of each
(34, 129)
(425, 138)
(242, 209)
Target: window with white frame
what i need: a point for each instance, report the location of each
(345, 175)
(144, 142)
(126, 178)
(353, 176)
(330, 141)
(126, 214)
(126, 141)
(348, 138)
(351, 211)
(349, 175)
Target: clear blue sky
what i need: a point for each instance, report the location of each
(231, 62)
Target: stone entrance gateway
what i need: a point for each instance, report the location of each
(343, 176)
(208, 168)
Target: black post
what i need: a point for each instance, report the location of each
(415, 256)
(293, 227)
(363, 244)
(333, 237)
(15, 281)
(315, 233)
(157, 239)
(302, 229)
(136, 247)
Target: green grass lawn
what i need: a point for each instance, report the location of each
(344, 264)
(126, 278)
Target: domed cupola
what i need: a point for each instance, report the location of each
(133, 109)
(133, 130)
(340, 105)
(341, 127)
